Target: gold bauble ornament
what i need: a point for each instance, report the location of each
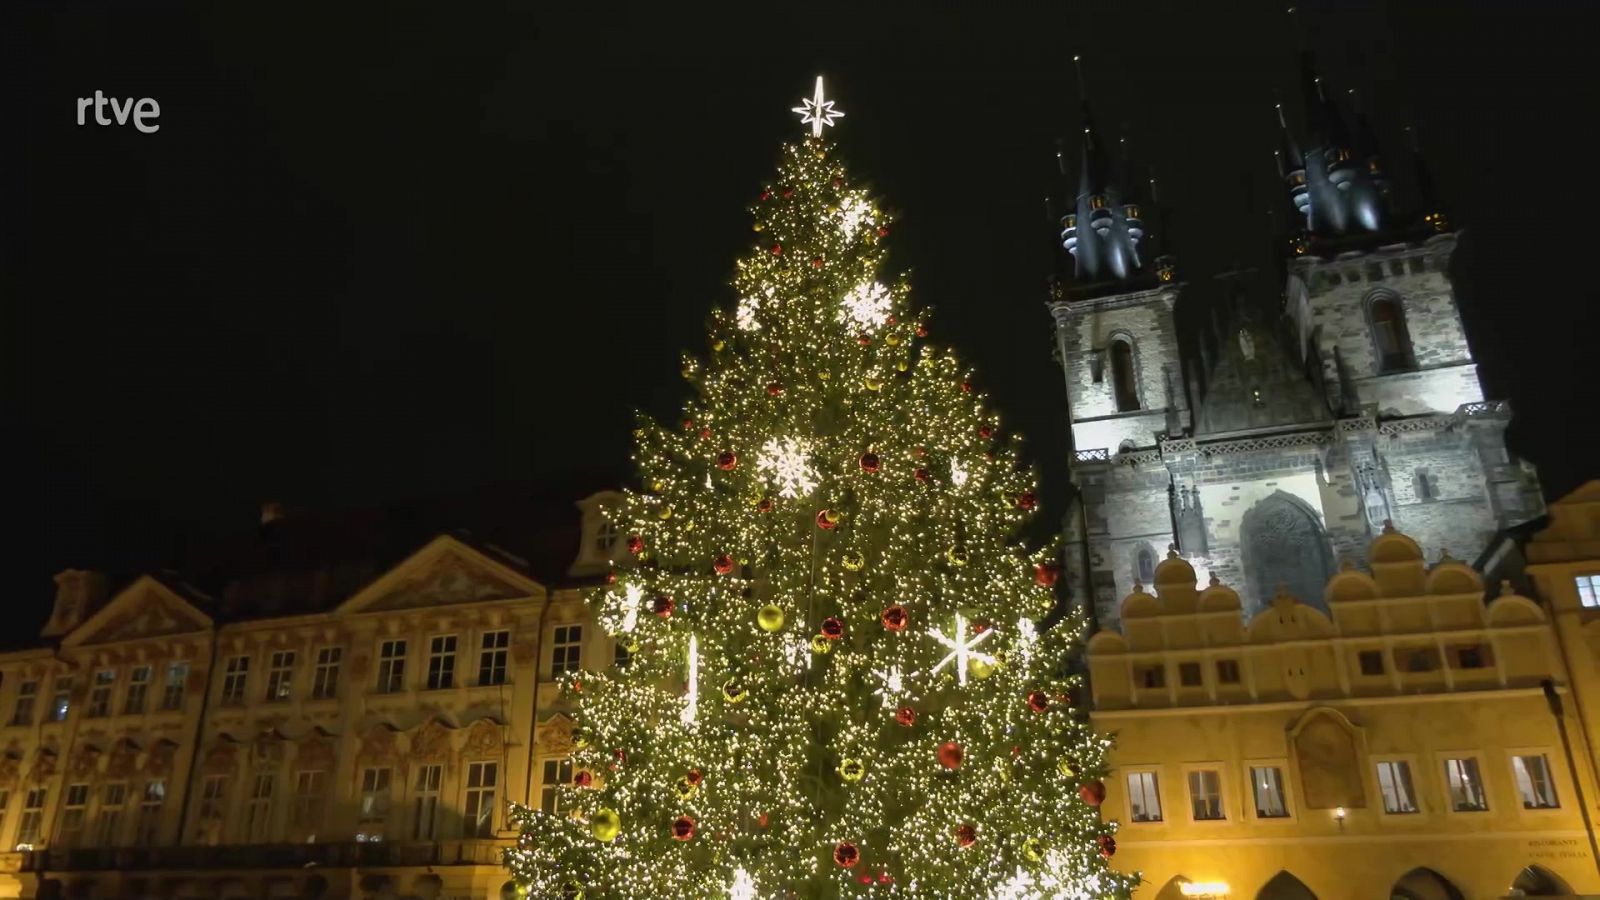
(851, 770)
(573, 890)
(892, 340)
(852, 562)
(718, 344)
(757, 227)
(638, 433)
(686, 788)
(605, 825)
(1066, 769)
(1033, 849)
(733, 691)
(666, 512)
(824, 375)
(770, 617)
(658, 486)
(820, 645)
(872, 384)
(631, 645)
(580, 738)
(957, 556)
(902, 366)
(979, 668)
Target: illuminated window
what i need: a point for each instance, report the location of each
(1205, 795)
(391, 666)
(1144, 800)
(1534, 783)
(63, 697)
(1466, 785)
(482, 778)
(556, 773)
(280, 675)
(1097, 202)
(1588, 595)
(1394, 782)
(442, 662)
(1266, 783)
(138, 690)
(566, 649)
(1389, 333)
(1131, 211)
(1123, 386)
(234, 680)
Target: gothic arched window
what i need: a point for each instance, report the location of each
(1282, 543)
(1144, 567)
(1389, 336)
(1123, 384)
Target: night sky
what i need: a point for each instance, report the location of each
(409, 250)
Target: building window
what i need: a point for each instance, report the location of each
(213, 807)
(108, 822)
(1472, 656)
(138, 690)
(1418, 659)
(1144, 801)
(442, 662)
(605, 537)
(1588, 591)
(375, 796)
(1144, 566)
(32, 818)
(1205, 794)
(493, 649)
(280, 676)
(74, 811)
(1123, 386)
(556, 773)
(258, 815)
(1189, 674)
(309, 789)
(1534, 783)
(1228, 671)
(620, 655)
(149, 828)
(425, 802)
(1426, 484)
(1466, 785)
(325, 681)
(62, 699)
(172, 692)
(1150, 677)
(1267, 784)
(1394, 782)
(1371, 662)
(391, 666)
(234, 678)
(1389, 333)
(27, 695)
(482, 778)
(567, 649)
(100, 693)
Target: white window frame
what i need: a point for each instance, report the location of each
(1514, 762)
(235, 680)
(175, 686)
(325, 680)
(138, 695)
(566, 648)
(554, 771)
(280, 676)
(392, 665)
(1190, 771)
(1129, 773)
(100, 691)
(481, 790)
(442, 662)
(1410, 784)
(108, 816)
(152, 800)
(1588, 587)
(74, 814)
(376, 799)
(1253, 808)
(494, 657)
(1447, 769)
(26, 712)
(425, 795)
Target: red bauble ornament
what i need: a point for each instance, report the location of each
(726, 460)
(892, 320)
(919, 452)
(688, 424)
(832, 628)
(864, 878)
(950, 754)
(966, 836)
(1038, 701)
(683, 828)
(827, 520)
(693, 776)
(895, 618)
(870, 462)
(883, 878)
(1108, 845)
(883, 231)
(663, 606)
(764, 505)
(621, 755)
(846, 855)
(922, 331)
(777, 249)
(985, 432)
(1028, 500)
(774, 389)
(635, 544)
(838, 182)
(723, 564)
(766, 195)
(864, 341)
(921, 475)
(788, 192)
(816, 262)
(611, 578)
(762, 820)
(582, 779)
(1045, 574)
(980, 626)
(906, 716)
(966, 387)
(1093, 793)
(705, 433)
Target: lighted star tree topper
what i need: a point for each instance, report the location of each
(834, 684)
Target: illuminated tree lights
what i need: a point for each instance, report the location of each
(834, 684)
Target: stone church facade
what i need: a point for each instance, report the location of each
(1311, 406)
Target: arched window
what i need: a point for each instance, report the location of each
(1144, 565)
(1535, 881)
(1123, 384)
(1389, 336)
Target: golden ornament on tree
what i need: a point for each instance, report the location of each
(734, 691)
(770, 618)
(820, 644)
(852, 562)
(605, 825)
(852, 771)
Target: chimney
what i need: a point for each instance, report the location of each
(79, 594)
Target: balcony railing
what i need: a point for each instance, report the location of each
(371, 854)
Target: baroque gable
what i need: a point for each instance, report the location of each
(444, 573)
(145, 609)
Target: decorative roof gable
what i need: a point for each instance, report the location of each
(145, 609)
(443, 573)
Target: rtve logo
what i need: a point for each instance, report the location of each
(142, 109)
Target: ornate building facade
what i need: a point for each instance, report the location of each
(1400, 739)
(324, 727)
(1278, 434)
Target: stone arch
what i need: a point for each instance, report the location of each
(1386, 324)
(1537, 881)
(1144, 563)
(1284, 886)
(1122, 357)
(1423, 883)
(1282, 542)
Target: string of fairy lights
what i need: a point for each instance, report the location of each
(835, 684)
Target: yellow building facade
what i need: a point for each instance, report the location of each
(1418, 743)
(364, 749)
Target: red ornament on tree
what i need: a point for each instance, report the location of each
(1028, 500)
(583, 778)
(777, 249)
(762, 820)
(832, 628)
(1045, 574)
(723, 564)
(864, 341)
(663, 606)
(919, 452)
(895, 618)
(611, 578)
(620, 755)
(985, 432)
(922, 331)
(705, 433)
(906, 716)
(921, 475)
(764, 505)
(846, 855)
(883, 231)
(870, 462)
(816, 262)
(979, 626)
(838, 182)
(726, 460)
(827, 520)
(766, 195)
(688, 424)
(774, 389)
(950, 754)
(635, 544)
(788, 192)
(966, 836)
(1093, 793)
(966, 387)
(864, 878)
(1108, 845)
(1038, 701)
(683, 828)
(694, 777)
(883, 878)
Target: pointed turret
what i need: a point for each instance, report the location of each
(1344, 189)
(1432, 210)
(1105, 231)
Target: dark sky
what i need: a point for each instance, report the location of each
(387, 250)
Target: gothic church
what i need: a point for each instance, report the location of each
(1269, 446)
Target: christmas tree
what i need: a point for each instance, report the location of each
(834, 684)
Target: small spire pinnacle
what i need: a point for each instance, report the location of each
(1083, 87)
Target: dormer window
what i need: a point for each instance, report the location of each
(605, 537)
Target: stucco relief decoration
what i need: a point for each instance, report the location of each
(123, 760)
(159, 760)
(10, 768)
(553, 737)
(1330, 761)
(484, 740)
(378, 745)
(44, 764)
(449, 580)
(431, 742)
(314, 752)
(267, 750)
(84, 760)
(219, 760)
